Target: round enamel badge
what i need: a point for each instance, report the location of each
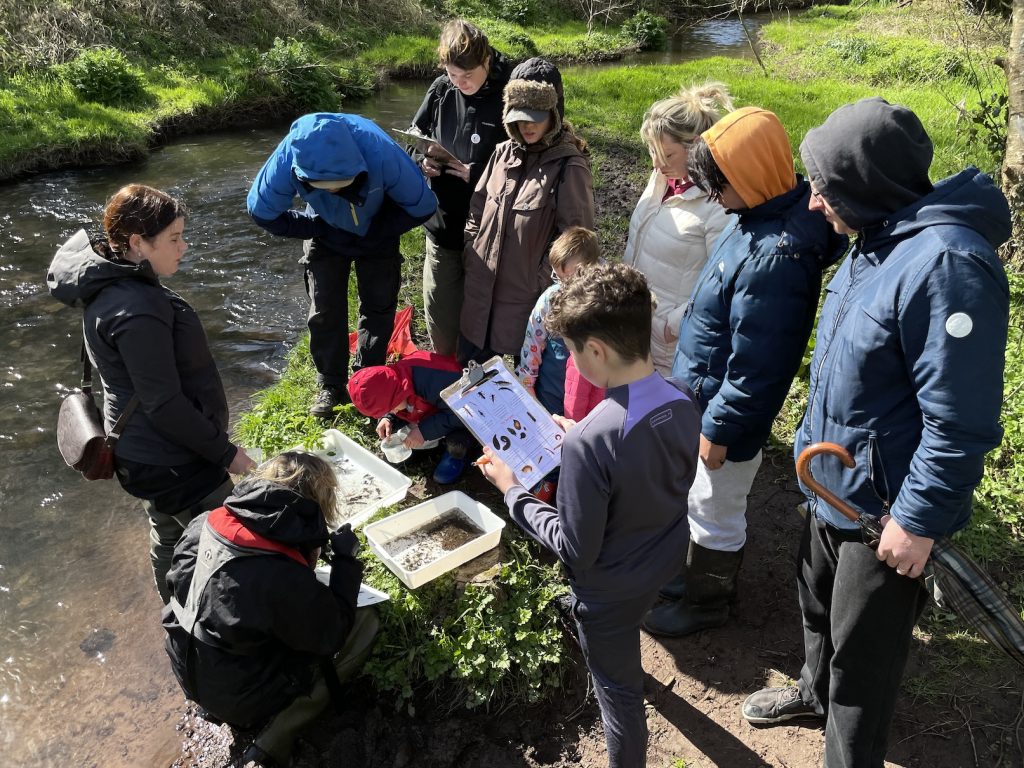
(959, 324)
(475, 138)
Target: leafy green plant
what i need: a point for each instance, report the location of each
(516, 11)
(988, 122)
(646, 30)
(291, 66)
(105, 76)
(494, 643)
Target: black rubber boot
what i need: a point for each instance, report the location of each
(711, 581)
(676, 588)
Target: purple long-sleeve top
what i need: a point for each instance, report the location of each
(620, 526)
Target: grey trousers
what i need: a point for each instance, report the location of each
(278, 736)
(443, 285)
(609, 635)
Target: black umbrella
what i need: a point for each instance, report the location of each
(961, 583)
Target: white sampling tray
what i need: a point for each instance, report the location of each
(365, 482)
(401, 524)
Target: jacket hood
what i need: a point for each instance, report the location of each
(376, 390)
(83, 267)
(323, 148)
(277, 513)
(752, 150)
(868, 160)
(968, 199)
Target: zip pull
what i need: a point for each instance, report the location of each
(355, 218)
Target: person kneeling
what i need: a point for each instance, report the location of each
(248, 620)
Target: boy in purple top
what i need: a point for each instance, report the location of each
(621, 525)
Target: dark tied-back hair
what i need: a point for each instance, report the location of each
(610, 302)
(704, 171)
(139, 210)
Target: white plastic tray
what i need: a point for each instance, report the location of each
(408, 520)
(393, 483)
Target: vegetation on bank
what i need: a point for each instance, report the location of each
(448, 639)
(101, 82)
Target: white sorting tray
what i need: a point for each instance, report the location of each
(392, 484)
(414, 518)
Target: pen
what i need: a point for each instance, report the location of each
(481, 461)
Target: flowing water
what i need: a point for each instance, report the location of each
(83, 676)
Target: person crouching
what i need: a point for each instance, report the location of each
(249, 619)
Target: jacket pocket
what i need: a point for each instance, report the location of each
(854, 486)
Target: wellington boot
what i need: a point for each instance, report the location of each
(675, 589)
(709, 582)
(682, 618)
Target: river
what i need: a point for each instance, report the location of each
(83, 676)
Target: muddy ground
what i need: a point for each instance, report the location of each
(695, 686)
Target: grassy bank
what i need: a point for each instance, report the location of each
(814, 63)
(103, 82)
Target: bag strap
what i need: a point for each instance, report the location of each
(115, 433)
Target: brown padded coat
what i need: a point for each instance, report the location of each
(512, 222)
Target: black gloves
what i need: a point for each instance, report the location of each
(344, 543)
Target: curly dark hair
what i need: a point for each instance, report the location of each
(610, 302)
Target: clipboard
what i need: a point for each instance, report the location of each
(500, 413)
(429, 147)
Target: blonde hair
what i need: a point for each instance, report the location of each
(463, 45)
(309, 476)
(685, 116)
(577, 243)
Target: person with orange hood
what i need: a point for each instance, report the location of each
(410, 391)
(741, 341)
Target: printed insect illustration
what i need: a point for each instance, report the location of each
(501, 443)
(532, 417)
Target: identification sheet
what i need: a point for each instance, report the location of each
(499, 411)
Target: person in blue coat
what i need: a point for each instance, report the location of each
(362, 192)
(907, 375)
(741, 341)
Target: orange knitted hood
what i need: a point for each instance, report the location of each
(752, 151)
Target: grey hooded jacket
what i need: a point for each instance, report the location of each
(144, 339)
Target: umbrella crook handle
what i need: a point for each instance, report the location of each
(803, 471)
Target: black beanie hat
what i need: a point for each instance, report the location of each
(868, 160)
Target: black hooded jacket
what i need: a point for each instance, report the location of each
(269, 616)
(145, 340)
(469, 127)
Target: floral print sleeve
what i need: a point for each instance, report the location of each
(536, 340)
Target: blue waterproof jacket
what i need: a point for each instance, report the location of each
(745, 329)
(907, 372)
(330, 146)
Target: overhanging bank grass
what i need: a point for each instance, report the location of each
(233, 76)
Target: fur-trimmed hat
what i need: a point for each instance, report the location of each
(533, 102)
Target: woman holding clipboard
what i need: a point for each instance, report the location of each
(462, 111)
